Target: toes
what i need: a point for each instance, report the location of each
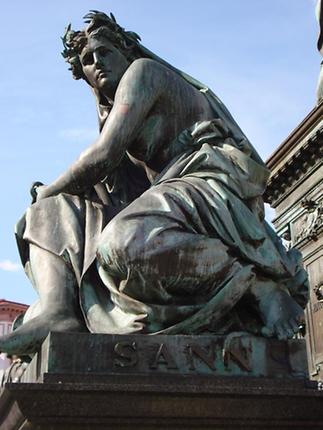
(280, 331)
(294, 325)
(289, 330)
(284, 330)
(267, 332)
(300, 318)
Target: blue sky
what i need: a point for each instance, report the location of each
(259, 56)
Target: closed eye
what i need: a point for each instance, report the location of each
(87, 59)
(104, 51)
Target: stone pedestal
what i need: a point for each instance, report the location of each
(82, 381)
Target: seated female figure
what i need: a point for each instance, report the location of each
(158, 227)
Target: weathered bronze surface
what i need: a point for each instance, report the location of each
(158, 227)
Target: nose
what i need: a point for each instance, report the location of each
(97, 59)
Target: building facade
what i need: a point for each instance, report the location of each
(295, 191)
(9, 311)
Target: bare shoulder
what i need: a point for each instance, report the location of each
(144, 78)
(146, 64)
(147, 80)
(149, 70)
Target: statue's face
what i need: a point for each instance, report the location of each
(103, 65)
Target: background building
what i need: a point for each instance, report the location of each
(8, 313)
(295, 191)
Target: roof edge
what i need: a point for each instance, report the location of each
(295, 136)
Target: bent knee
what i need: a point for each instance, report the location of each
(119, 245)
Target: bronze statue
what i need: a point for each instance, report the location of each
(159, 226)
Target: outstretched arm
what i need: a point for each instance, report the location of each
(137, 92)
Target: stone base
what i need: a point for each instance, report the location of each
(81, 381)
(96, 356)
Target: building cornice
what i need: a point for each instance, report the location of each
(300, 154)
(12, 305)
(313, 118)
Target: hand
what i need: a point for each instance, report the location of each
(37, 191)
(42, 192)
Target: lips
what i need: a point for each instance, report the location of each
(101, 74)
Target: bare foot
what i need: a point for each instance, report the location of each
(281, 314)
(28, 338)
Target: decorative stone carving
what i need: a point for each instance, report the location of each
(311, 221)
(318, 290)
(308, 156)
(286, 239)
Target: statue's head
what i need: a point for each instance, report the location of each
(102, 52)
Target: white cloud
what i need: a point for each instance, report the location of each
(79, 134)
(10, 266)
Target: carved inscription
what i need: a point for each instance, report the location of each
(125, 354)
(207, 356)
(160, 356)
(238, 348)
(163, 357)
(237, 354)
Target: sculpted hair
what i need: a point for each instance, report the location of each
(99, 26)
